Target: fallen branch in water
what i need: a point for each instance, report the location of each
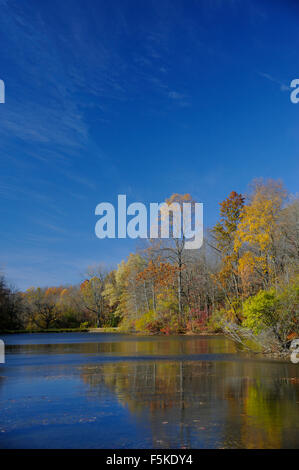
(265, 341)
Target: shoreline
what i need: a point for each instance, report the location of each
(104, 330)
(267, 355)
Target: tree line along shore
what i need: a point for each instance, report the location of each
(243, 282)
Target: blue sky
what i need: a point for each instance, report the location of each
(144, 98)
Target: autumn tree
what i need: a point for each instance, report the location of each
(159, 275)
(287, 240)
(256, 235)
(224, 234)
(92, 290)
(42, 306)
(173, 249)
(124, 291)
(10, 307)
(71, 307)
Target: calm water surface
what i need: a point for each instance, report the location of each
(84, 390)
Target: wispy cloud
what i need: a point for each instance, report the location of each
(282, 85)
(180, 98)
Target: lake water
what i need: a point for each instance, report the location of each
(93, 390)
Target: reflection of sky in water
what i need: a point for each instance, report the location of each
(179, 392)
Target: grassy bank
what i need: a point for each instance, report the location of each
(108, 329)
(51, 330)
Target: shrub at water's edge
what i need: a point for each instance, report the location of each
(270, 319)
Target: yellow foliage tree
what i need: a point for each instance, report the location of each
(255, 236)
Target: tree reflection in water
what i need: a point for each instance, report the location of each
(213, 403)
(120, 391)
